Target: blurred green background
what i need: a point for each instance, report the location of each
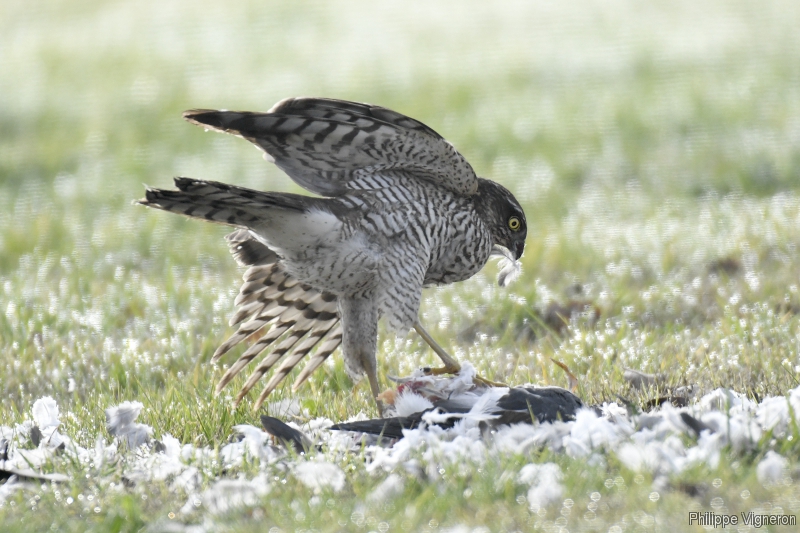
(655, 147)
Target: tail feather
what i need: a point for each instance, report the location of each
(220, 202)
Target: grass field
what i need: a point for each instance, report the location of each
(655, 148)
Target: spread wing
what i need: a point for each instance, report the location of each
(332, 146)
(277, 312)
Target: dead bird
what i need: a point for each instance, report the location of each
(423, 399)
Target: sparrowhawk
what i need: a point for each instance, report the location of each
(400, 209)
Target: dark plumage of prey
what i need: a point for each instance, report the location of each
(505, 406)
(400, 209)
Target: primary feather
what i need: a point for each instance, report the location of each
(326, 145)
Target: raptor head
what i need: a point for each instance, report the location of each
(503, 214)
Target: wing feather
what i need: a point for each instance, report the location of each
(333, 338)
(279, 315)
(288, 364)
(329, 146)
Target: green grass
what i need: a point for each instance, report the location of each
(656, 150)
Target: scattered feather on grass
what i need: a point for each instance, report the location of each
(241, 473)
(121, 423)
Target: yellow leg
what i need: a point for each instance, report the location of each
(451, 366)
(490, 383)
(372, 376)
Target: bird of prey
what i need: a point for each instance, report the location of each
(399, 209)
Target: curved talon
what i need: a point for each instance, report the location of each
(477, 379)
(451, 366)
(438, 371)
(489, 382)
(448, 360)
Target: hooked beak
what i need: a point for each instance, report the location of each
(519, 247)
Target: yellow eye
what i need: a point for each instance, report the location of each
(514, 223)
